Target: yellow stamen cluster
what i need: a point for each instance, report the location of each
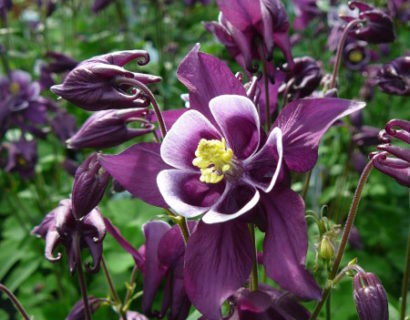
(356, 56)
(14, 88)
(213, 159)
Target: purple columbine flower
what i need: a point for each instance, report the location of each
(369, 297)
(109, 128)
(265, 303)
(306, 11)
(212, 148)
(78, 311)
(394, 160)
(250, 30)
(303, 79)
(394, 77)
(64, 125)
(95, 84)
(90, 183)
(22, 158)
(61, 227)
(377, 27)
(356, 54)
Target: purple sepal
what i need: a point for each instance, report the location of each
(394, 77)
(78, 311)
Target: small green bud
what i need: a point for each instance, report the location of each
(326, 249)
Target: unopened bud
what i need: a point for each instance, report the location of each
(326, 249)
(90, 183)
(369, 297)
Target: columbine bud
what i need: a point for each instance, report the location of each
(394, 77)
(326, 249)
(95, 84)
(378, 26)
(108, 128)
(369, 297)
(60, 62)
(78, 311)
(90, 183)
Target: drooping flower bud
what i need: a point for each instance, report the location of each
(109, 128)
(394, 77)
(78, 311)
(60, 227)
(369, 297)
(90, 183)
(60, 62)
(326, 249)
(96, 83)
(377, 27)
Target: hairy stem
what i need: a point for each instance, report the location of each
(345, 236)
(15, 301)
(254, 274)
(342, 41)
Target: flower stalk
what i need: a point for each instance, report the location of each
(15, 301)
(254, 275)
(348, 227)
(405, 282)
(339, 53)
(266, 84)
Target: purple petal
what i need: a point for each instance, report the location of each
(153, 270)
(136, 169)
(286, 244)
(218, 260)
(239, 122)
(206, 77)
(303, 122)
(236, 200)
(264, 167)
(180, 143)
(241, 13)
(186, 194)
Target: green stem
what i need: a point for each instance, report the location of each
(328, 307)
(345, 236)
(405, 282)
(267, 103)
(254, 275)
(115, 296)
(131, 287)
(15, 301)
(306, 184)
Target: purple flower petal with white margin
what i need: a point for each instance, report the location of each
(239, 125)
(218, 261)
(216, 79)
(303, 123)
(153, 270)
(286, 243)
(136, 169)
(180, 143)
(186, 194)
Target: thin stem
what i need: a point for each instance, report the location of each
(345, 236)
(15, 301)
(306, 184)
(254, 274)
(405, 282)
(342, 41)
(130, 289)
(182, 223)
(328, 307)
(81, 277)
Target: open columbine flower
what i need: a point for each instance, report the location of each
(218, 170)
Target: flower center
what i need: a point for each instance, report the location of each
(14, 88)
(355, 56)
(213, 159)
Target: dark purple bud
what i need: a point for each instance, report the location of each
(354, 238)
(22, 158)
(369, 297)
(60, 62)
(90, 183)
(100, 5)
(63, 125)
(394, 77)
(357, 119)
(70, 166)
(109, 128)
(367, 136)
(303, 78)
(78, 311)
(356, 55)
(101, 82)
(60, 227)
(378, 26)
